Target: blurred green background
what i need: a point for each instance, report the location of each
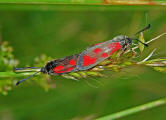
(59, 33)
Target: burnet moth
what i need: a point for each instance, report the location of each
(87, 59)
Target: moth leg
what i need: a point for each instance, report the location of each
(123, 51)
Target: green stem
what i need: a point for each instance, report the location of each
(13, 74)
(134, 110)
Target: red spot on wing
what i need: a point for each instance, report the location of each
(104, 55)
(64, 71)
(69, 69)
(58, 68)
(88, 60)
(97, 50)
(114, 46)
(72, 62)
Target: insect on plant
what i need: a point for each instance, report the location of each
(87, 59)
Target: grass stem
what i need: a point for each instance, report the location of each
(133, 110)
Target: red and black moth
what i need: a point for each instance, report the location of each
(87, 59)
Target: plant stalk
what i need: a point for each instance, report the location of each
(133, 110)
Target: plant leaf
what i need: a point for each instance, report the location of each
(140, 45)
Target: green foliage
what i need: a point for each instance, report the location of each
(8, 78)
(7, 61)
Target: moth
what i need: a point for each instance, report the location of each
(88, 58)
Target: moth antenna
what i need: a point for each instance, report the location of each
(26, 69)
(15, 69)
(27, 78)
(142, 42)
(144, 29)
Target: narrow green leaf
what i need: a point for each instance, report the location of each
(140, 45)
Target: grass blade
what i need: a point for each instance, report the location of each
(134, 110)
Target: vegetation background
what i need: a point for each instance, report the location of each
(62, 30)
